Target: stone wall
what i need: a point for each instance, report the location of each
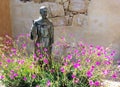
(5, 21)
(96, 22)
(61, 13)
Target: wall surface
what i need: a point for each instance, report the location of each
(104, 23)
(5, 22)
(97, 23)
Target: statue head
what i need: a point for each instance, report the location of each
(43, 11)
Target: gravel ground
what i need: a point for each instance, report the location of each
(108, 83)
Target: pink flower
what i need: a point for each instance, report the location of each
(73, 76)
(0, 63)
(24, 78)
(97, 83)
(48, 83)
(98, 63)
(33, 76)
(8, 60)
(24, 46)
(88, 60)
(45, 49)
(106, 72)
(91, 83)
(1, 77)
(76, 65)
(76, 80)
(45, 60)
(15, 74)
(114, 75)
(62, 69)
(37, 86)
(69, 56)
(12, 77)
(89, 74)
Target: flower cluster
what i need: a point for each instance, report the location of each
(71, 66)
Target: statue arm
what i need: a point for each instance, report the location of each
(33, 31)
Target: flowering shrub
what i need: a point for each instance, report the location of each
(79, 66)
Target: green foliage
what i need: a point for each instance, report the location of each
(80, 66)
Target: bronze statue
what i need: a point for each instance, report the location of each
(43, 33)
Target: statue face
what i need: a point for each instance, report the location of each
(43, 12)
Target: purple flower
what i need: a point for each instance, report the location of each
(33, 76)
(24, 78)
(45, 60)
(97, 83)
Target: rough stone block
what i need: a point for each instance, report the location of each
(59, 21)
(78, 6)
(80, 20)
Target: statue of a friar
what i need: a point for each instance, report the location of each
(42, 32)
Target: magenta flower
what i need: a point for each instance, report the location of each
(97, 83)
(91, 83)
(106, 72)
(8, 60)
(37, 86)
(76, 65)
(48, 83)
(69, 56)
(1, 77)
(12, 77)
(98, 54)
(62, 69)
(45, 49)
(88, 60)
(76, 80)
(15, 74)
(106, 62)
(45, 60)
(24, 78)
(24, 46)
(0, 63)
(89, 74)
(33, 76)
(114, 75)
(73, 76)
(98, 63)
